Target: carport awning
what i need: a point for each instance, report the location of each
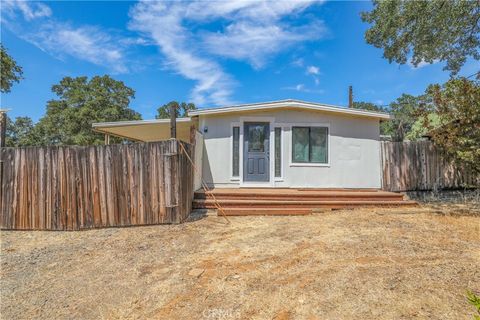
(145, 130)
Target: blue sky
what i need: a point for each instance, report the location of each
(210, 53)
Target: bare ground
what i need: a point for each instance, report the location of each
(355, 264)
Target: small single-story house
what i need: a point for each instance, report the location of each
(287, 143)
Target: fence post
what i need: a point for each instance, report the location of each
(3, 130)
(3, 127)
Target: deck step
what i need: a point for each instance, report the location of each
(304, 198)
(264, 201)
(248, 204)
(267, 212)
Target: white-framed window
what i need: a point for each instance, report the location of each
(310, 145)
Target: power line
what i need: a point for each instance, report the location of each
(476, 73)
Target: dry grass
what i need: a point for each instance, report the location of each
(356, 264)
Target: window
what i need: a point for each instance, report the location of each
(278, 152)
(236, 152)
(256, 138)
(310, 145)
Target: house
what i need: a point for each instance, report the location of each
(278, 144)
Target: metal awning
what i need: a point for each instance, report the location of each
(145, 130)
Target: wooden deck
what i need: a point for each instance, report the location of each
(267, 201)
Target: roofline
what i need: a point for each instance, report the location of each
(290, 103)
(136, 122)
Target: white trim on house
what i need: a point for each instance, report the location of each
(290, 103)
(309, 164)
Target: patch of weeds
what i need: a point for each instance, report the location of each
(474, 300)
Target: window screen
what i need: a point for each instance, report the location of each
(236, 152)
(278, 152)
(310, 144)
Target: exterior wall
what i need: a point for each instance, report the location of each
(354, 149)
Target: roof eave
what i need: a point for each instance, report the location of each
(290, 104)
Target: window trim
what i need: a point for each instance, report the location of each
(310, 164)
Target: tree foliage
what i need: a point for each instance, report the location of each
(368, 106)
(404, 111)
(457, 129)
(425, 31)
(68, 119)
(20, 132)
(181, 109)
(10, 71)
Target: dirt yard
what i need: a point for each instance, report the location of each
(352, 264)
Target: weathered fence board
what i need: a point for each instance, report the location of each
(72, 188)
(410, 166)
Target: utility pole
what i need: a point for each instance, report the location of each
(173, 121)
(350, 97)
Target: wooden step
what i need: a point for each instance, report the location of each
(386, 197)
(301, 195)
(266, 212)
(258, 204)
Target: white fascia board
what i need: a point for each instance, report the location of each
(290, 104)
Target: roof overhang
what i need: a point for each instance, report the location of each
(288, 104)
(145, 130)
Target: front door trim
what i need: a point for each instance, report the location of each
(271, 121)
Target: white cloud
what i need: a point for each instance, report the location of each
(313, 70)
(161, 23)
(29, 10)
(85, 43)
(302, 88)
(421, 64)
(299, 62)
(88, 43)
(247, 40)
(250, 31)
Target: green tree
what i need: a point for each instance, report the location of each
(404, 111)
(425, 31)
(181, 109)
(20, 132)
(10, 71)
(68, 119)
(457, 129)
(368, 106)
(384, 125)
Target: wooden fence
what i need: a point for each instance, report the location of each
(72, 188)
(411, 166)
